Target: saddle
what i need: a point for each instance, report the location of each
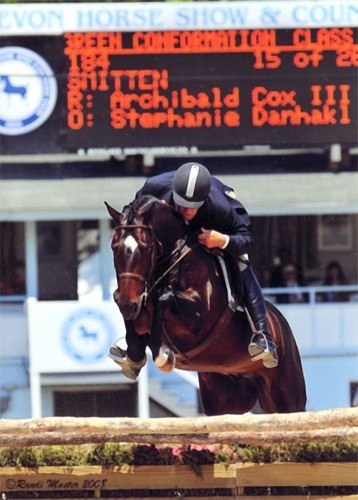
(231, 277)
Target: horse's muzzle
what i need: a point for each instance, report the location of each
(129, 309)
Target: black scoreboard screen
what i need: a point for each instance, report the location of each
(208, 90)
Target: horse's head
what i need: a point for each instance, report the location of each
(135, 250)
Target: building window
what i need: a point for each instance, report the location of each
(105, 403)
(88, 259)
(68, 259)
(57, 260)
(12, 259)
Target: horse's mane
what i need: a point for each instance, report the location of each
(139, 207)
(142, 207)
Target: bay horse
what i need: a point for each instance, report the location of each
(173, 288)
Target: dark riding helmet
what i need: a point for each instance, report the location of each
(191, 185)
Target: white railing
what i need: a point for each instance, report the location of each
(12, 298)
(313, 292)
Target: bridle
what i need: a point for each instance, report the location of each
(176, 252)
(136, 276)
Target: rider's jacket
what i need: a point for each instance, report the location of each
(221, 211)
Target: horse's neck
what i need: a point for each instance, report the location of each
(168, 229)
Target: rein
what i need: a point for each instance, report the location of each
(176, 250)
(175, 263)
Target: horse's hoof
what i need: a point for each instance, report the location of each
(165, 360)
(117, 354)
(130, 369)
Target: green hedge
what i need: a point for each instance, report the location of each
(116, 454)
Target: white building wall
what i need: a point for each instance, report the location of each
(328, 380)
(325, 334)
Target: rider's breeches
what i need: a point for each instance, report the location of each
(253, 297)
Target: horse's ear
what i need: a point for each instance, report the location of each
(116, 216)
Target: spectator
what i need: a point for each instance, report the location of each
(283, 259)
(12, 281)
(292, 277)
(285, 273)
(334, 275)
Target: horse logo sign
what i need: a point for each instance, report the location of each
(28, 90)
(87, 335)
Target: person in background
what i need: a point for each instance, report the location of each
(293, 279)
(285, 273)
(283, 258)
(334, 275)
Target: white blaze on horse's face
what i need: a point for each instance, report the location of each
(130, 244)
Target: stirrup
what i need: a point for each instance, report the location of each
(130, 369)
(261, 348)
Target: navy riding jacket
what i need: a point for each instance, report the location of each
(220, 211)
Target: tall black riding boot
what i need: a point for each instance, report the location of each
(261, 345)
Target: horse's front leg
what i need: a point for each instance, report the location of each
(134, 358)
(175, 309)
(163, 356)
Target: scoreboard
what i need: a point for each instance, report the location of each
(199, 89)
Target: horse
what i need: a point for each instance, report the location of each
(171, 287)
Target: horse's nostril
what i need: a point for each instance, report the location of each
(129, 309)
(116, 296)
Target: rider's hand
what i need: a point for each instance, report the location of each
(211, 238)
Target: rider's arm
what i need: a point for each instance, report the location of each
(240, 243)
(235, 244)
(229, 231)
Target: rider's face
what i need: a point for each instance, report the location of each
(188, 213)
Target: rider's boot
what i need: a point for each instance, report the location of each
(130, 369)
(261, 345)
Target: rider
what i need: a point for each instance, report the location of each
(211, 208)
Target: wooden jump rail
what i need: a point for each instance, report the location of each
(336, 425)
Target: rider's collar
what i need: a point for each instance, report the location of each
(176, 206)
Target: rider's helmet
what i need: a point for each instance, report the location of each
(191, 185)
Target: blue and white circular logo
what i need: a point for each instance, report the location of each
(28, 90)
(87, 335)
